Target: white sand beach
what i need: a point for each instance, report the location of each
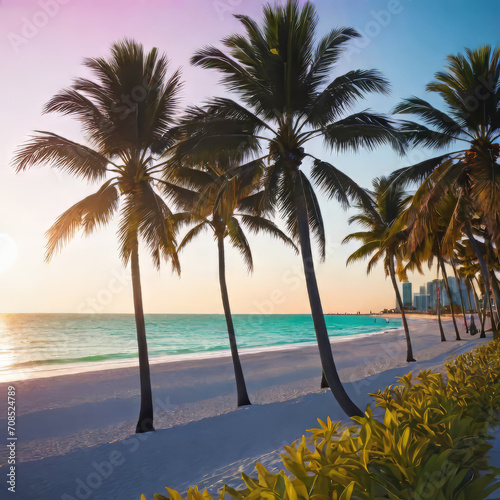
(75, 432)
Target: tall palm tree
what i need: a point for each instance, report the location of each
(462, 303)
(437, 248)
(436, 220)
(125, 113)
(282, 79)
(224, 199)
(387, 204)
(469, 87)
(469, 270)
(438, 308)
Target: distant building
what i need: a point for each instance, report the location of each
(431, 292)
(421, 301)
(428, 296)
(407, 295)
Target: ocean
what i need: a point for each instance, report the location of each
(40, 345)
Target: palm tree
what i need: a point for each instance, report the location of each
(438, 309)
(469, 269)
(224, 199)
(437, 248)
(462, 303)
(125, 114)
(469, 86)
(282, 78)
(427, 230)
(387, 204)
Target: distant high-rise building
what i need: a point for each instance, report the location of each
(407, 295)
(421, 301)
(427, 298)
(467, 296)
(443, 294)
(454, 290)
(431, 292)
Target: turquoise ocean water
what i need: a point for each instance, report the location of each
(51, 344)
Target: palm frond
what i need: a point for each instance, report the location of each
(239, 241)
(418, 172)
(343, 93)
(327, 53)
(256, 224)
(417, 135)
(363, 130)
(63, 154)
(338, 185)
(364, 252)
(430, 115)
(88, 214)
(192, 233)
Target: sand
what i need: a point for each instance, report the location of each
(75, 432)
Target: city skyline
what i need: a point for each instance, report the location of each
(426, 298)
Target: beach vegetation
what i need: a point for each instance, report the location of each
(431, 441)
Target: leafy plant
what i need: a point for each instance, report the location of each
(431, 443)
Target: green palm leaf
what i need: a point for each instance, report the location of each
(88, 214)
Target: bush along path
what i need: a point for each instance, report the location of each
(432, 443)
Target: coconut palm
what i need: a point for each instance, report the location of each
(462, 303)
(125, 113)
(469, 86)
(429, 231)
(387, 204)
(223, 198)
(286, 99)
(446, 214)
(469, 269)
(439, 292)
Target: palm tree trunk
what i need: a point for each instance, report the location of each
(468, 288)
(438, 308)
(480, 316)
(409, 350)
(494, 281)
(145, 422)
(241, 387)
(324, 382)
(460, 293)
(445, 278)
(496, 292)
(484, 272)
(325, 348)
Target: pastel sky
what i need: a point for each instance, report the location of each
(42, 45)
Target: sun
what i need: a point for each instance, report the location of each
(8, 252)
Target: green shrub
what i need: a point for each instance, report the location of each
(432, 444)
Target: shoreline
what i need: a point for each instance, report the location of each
(68, 423)
(61, 369)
